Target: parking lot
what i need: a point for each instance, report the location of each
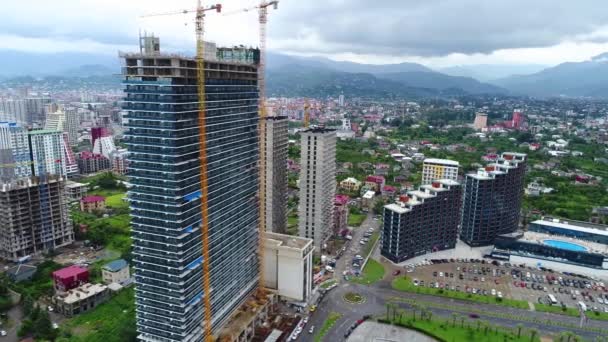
(493, 278)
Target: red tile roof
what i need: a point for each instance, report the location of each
(69, 272)
(93, 199)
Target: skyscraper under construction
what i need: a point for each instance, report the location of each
(173, 293)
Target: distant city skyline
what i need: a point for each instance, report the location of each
(437, 34)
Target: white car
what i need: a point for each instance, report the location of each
(499, 294)
(311, 330)
(441, 274)
(55, 326)
(2, 332)
(493, 292)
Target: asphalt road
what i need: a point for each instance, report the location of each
(354, 247)
(377, 295)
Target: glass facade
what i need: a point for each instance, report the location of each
(492, 200)
(162, 136)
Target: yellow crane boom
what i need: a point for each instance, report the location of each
(202, 112)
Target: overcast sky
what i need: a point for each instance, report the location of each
(433, 32)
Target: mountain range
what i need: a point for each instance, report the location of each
(587, 78)
(320, 77)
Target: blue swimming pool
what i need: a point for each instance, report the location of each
(565, 245)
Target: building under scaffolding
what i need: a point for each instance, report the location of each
(33, 217)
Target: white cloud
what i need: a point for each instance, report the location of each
(434, 32)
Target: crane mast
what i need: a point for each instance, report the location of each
(202, 112)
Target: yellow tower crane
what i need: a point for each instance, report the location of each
(263, 20)
(200, 72)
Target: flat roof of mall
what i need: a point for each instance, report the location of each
(576, 227)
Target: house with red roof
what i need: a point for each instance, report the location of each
(69, 278)
(375, 182)
(389, 191)
(92, 203)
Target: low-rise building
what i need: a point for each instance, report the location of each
(368, 200)
(116, 271)
(69, 278)
(350, 184)
(90, 204)
(288, 265)
(21, 272)
(80, 299)
(375, 182)
(74, 191)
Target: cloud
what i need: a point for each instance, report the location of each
(363, 30)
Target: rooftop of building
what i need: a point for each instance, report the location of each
(369, 194)
(116, 265)
(318, 130)
(585, 227)
(44, 131)
(341, 199)
(276, 117)
(82, 292)
(288, 240)
(441, 161)
(539, 238)
(70, 271)
(92, 199)
(72, 184)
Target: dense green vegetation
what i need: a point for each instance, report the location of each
(355, 220)
(405, 284)
(113, 321)
(41, 283)
(36, 322)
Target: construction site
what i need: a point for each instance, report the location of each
(33, 217)
(196, 136)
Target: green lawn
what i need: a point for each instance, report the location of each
(113, 321)
(106, 192)
(41, 284)
(116, 201)
(327, 284)
(355, 220)
(292, 225)
(556, 309)
(370, 244)
(466, 331)
(405, 284)
(373, 272)
(329, 322)
(602, 316)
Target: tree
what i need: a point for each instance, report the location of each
(42, 327)
(28, 305)
(519, 327)
(533, 333)
(454, 317)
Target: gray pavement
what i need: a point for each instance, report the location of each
(376, 332)
(381, 293)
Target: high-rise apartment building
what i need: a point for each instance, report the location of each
(492, 200)
(424, 221)
(341, 100)
(33, 216)
(433, 169)
(35, 109)
(275, 183)
(72, 124)
(175, 298)
(12, 110)
(317, 185)
(48, 152)
(15, 160)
